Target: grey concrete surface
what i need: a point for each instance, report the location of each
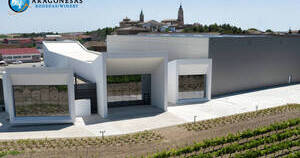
(242, 63)
(126, 120)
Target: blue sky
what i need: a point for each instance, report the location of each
(279, 15)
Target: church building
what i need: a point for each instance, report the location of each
(179, 22)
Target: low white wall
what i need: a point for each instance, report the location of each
(7, 92)
(83, 107)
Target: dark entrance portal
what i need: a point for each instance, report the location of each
(85, 89)
(128, 90)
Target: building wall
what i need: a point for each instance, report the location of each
(176, 47)
(21, 57)
(253, 62)
(159, 82)
(172, 82)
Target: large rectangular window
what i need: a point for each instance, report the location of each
(41, 101)
(127, 90)
(191, 87)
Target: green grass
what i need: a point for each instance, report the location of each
(124, 79)
(293, 155)
(5, 153)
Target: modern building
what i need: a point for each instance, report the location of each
(154, 70)
(20, 54)
(96, 67)
(239, 62)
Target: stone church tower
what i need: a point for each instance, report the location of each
(180, 16)
(142, 16)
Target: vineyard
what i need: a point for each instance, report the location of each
(222, 121)
(276, 140)
(268, 136)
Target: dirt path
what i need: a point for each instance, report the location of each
(173, 137)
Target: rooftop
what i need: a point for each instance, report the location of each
(14, 51)
(187, 35)
(53, 36)
(17, 39)
(71, 49)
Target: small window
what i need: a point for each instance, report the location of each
(17, 57)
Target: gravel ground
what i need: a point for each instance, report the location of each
(173, 137)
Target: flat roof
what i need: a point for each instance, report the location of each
(189, 35)
(72, 49)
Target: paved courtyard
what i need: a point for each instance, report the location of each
(139, 118)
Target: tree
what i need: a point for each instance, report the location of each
(269, 30)
(252, 29)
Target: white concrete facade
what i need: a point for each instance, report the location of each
(177, 48)
(186, 56)
(96, 66)
(39, 77)
(155, 64)
(87, 64)
(188, 67)
(163, 58)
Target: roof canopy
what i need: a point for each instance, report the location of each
(71, 49)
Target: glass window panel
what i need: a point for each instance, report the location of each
(124, 90)
(191, 86)
(41, 101)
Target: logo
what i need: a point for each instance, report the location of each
(19, 6)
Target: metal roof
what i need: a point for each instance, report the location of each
(19, 51)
